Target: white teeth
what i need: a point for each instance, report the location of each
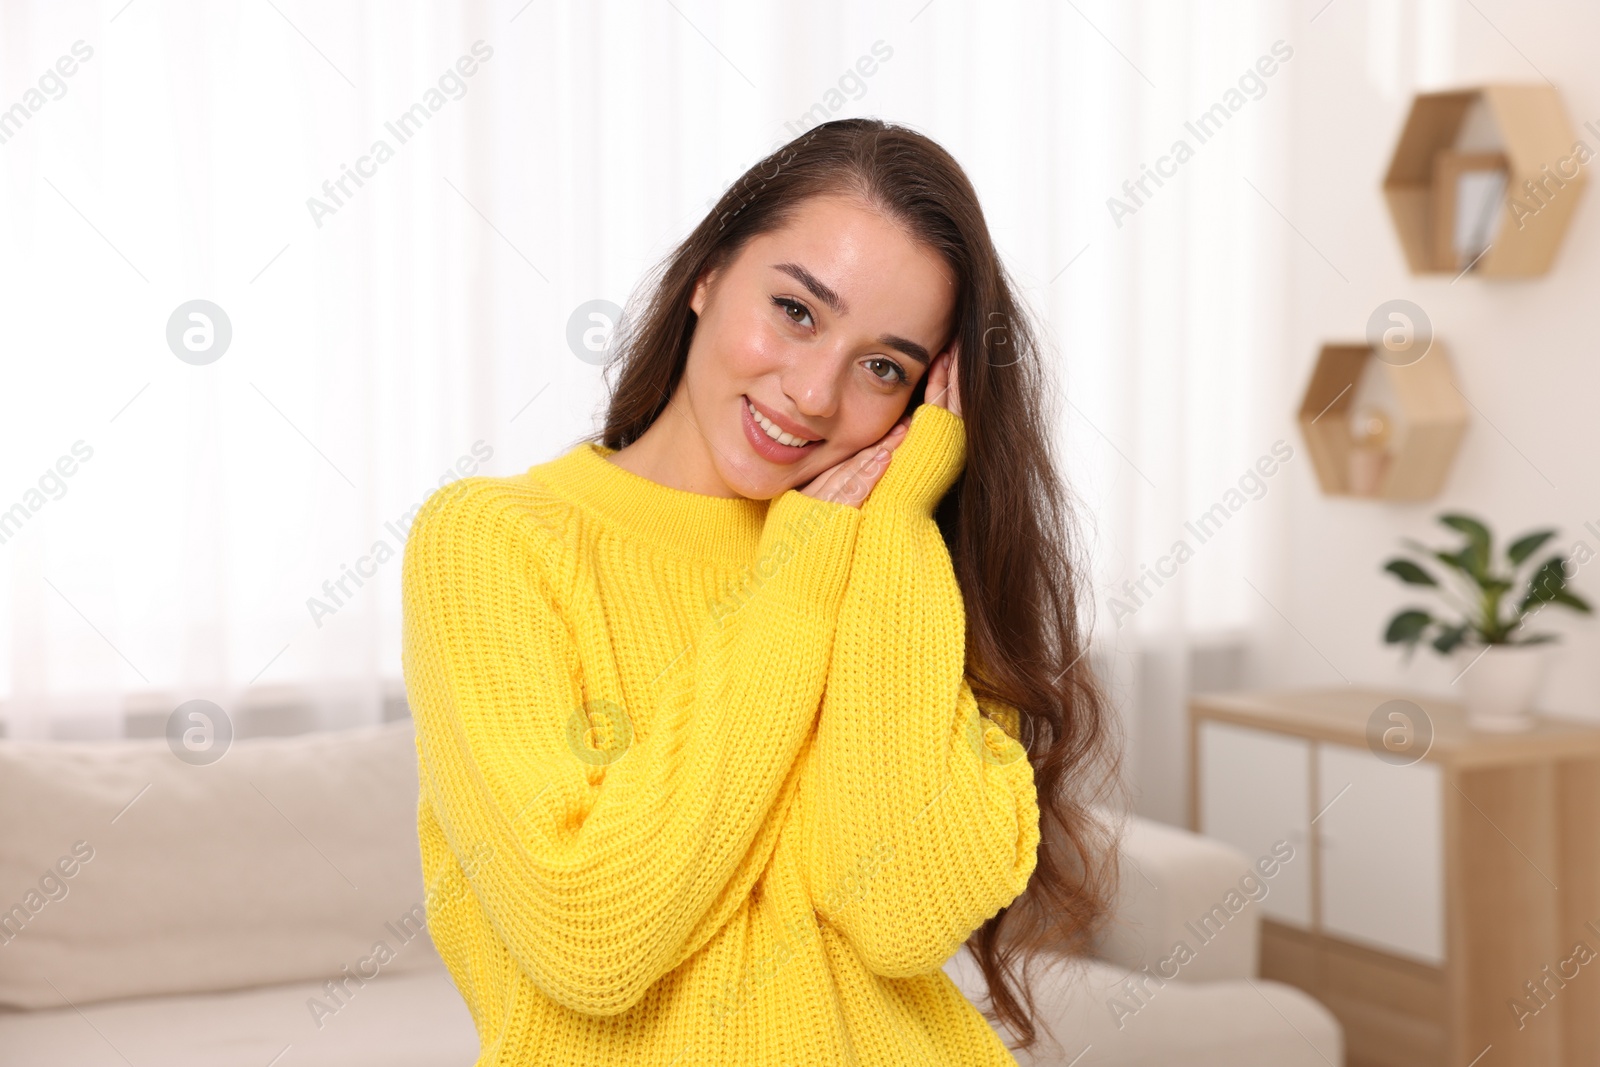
(772, 430)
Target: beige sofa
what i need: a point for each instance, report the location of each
(1142, 1002)
(266, 910)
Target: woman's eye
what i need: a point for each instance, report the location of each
(800, 315)
(791, 306)
(897, 375)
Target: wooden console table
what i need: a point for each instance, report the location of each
(1444, 901)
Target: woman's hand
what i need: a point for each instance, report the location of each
(849, 482)
(942, 389)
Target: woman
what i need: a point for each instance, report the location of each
(734, 725)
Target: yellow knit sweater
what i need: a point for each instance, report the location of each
(702, 780)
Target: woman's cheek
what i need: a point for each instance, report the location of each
(756, 351)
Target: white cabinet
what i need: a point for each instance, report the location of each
(1380, 842)
(1376, 828)
(1255, 791)
(1446, 881)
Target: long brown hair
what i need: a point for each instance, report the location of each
(1005, 521)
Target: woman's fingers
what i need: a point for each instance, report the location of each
(942, 380)
(849, 482)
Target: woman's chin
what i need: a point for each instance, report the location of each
(752, 478)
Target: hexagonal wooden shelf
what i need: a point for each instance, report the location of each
(1485, 180)
(1427, 415)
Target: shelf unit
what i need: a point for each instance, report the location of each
(1430, 418)
(1528, 127)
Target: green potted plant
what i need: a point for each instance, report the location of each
(1502, 663)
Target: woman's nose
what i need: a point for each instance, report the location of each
(813, 384)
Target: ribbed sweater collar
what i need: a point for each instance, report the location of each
(724, 529)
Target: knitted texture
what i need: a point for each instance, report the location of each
(702, 780)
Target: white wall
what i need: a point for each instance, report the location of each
(1523, 351)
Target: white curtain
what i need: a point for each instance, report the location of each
(399, 314)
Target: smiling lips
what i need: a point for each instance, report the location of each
(774, 432)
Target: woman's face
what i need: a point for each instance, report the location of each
(825, 327)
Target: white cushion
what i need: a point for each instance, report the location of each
(289, 858)
(1179, 886)
(410, 1019)
(1090, 1019)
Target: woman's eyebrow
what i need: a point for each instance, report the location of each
(836, 303)
(818, 289)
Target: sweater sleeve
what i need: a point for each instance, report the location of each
(600, 861)
(921, 817)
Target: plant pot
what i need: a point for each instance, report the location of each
(1499, 685)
